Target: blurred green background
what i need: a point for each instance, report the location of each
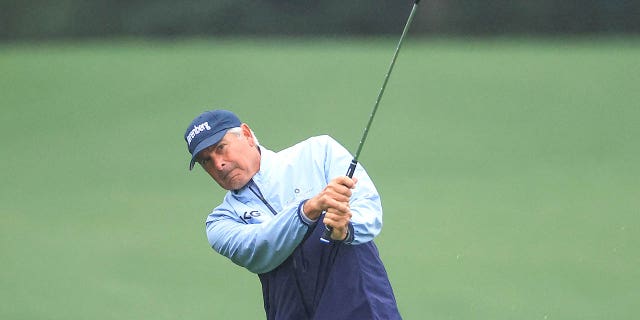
(508, 165)
(508, 171)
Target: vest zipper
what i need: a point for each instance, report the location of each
(258, 194)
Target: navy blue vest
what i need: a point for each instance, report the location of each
(329, 281)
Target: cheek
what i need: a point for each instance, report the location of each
(221, 182)
(213, 174)
(236, 160)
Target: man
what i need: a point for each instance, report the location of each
(273, 216)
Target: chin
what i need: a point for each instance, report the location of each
(235, 185)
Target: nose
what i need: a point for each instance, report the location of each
(219, 162)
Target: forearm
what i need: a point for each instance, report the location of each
(257, 247)
(367, 218)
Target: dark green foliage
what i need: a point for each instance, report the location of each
(38, 19)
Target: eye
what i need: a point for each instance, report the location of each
(203, 162)
(203, 158)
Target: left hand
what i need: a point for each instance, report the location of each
(339, 216)
(339, 221)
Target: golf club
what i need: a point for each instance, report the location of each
(326, 237)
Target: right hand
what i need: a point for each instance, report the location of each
(334, 198)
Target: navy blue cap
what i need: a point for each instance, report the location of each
(208, 129)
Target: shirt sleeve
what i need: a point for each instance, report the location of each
(258, 247)
(366, 207)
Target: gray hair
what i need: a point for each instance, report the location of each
(238, 132)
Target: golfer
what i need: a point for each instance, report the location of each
(273, 216)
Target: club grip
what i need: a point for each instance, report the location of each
(326, 237)
(352, 168)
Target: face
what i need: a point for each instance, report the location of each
(233, 161)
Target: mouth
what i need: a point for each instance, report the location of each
(230, 175)
(223, 174)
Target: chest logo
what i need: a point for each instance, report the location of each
(250, 214)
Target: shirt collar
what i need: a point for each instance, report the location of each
(267, 159)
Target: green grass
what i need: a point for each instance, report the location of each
(508, 170)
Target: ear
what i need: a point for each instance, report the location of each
(246, 132)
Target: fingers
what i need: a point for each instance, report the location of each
(336, 219)
(345, 181)
(335, 195)
(337, 192)
(339, 221)
(340, 188)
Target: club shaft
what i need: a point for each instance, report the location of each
(384, 84)
(352, 167)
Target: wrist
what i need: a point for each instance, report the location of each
(343, 234)
(346, 235)
(305, 219)
(310, 210)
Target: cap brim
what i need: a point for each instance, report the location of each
(205, 144)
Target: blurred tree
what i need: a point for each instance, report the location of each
(37, 19)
